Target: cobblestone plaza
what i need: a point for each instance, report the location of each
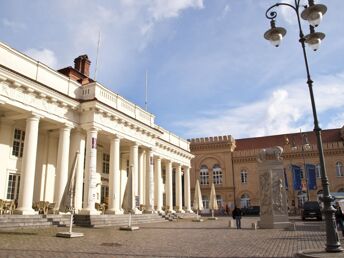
(182, 238)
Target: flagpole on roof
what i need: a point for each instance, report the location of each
(146, 91)
(96, 66)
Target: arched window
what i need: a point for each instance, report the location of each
(245, 201)
(339, 169)
(243, 176)
(217, 174)
(204, 175)
(317, 171)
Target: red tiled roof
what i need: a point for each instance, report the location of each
(330, 135)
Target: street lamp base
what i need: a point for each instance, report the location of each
(319, 253)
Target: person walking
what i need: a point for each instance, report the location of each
(236, 214)
(339, 217)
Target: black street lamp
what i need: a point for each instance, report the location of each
(313, 13)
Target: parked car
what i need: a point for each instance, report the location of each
(311, 210)
(252, 210)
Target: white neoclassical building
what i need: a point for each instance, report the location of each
(51, 120)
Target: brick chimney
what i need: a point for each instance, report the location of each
(82, 64)
(80, 72)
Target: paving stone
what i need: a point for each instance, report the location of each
(182, 238)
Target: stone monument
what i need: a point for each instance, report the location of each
(273, 197)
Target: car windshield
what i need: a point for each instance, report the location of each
(311, 205)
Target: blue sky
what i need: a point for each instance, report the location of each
(210, 71)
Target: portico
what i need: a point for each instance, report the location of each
(47, 117)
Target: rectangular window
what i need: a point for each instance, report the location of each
(302, 174)
(106, 163)
(204, 178)
(217, 177)
(13, 186)
(18, 143)
(104, 194)
(243, 176)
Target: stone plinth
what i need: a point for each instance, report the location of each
(273, 197)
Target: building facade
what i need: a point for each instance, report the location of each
(232, 166)
(55, 122)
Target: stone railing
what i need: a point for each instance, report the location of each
(37, 71)
(106, 96)
(174, 139)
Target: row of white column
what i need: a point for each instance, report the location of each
(153, 200)
(153, 192)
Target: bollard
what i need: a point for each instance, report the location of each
(254, 225)
(230, 223)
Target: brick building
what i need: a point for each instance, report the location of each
(231, 164)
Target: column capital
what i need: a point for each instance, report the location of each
(134, 144)
(178, 165)
(167, 161)
(115, 137)
(77, 129)
(90, 128)
(34, 116)
(66, 127)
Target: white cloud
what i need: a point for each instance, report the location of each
(45, 56)
(286, 109)
(336, 121)
(287, 13)
(171, 8)
(12, 24)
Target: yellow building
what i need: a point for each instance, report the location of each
(232, 166)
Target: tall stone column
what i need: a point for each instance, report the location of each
(134, 164)
(157, 185)
(90, 173)
(28, 167)
(179, 200)
(77, 146)
(187, 197)
(149, 183)
(61, 178)
(115, 178)
(141, 177)
(168, 187)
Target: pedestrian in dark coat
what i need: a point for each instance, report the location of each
(339, 217)
(237, 216)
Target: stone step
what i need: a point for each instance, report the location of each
(115, 220)
(20, 221)
(60, 220)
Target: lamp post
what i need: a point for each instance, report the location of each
(313, 13)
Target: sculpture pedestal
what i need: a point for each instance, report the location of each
(273, 197)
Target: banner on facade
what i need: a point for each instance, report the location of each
(296, 170)
(311, 177)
